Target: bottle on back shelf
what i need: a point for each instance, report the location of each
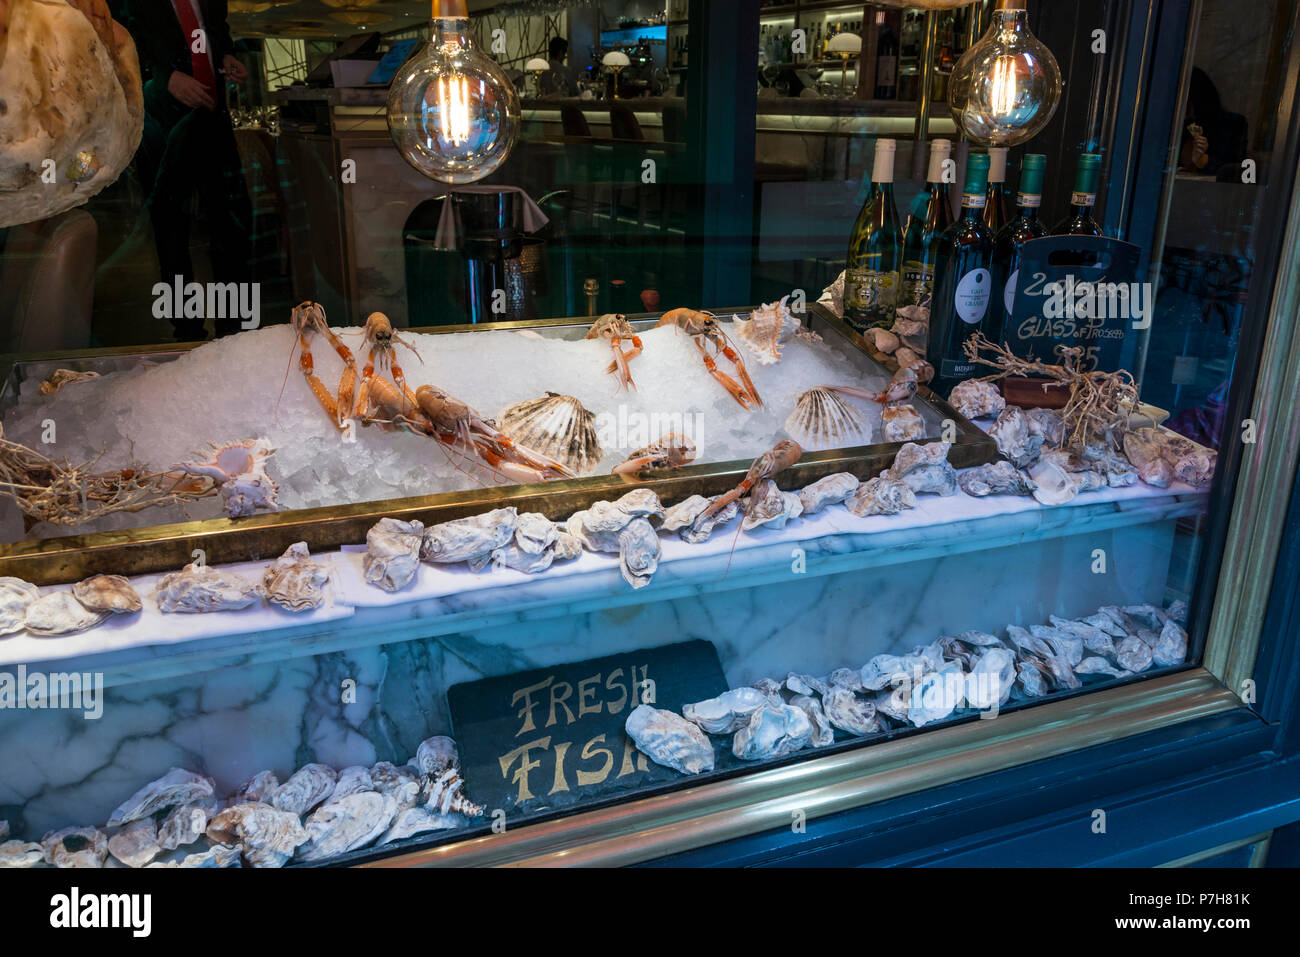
(1082, 200)
(875, 250)
(995, 205)
(963, 288)
(886, 62)
(1012, 238)
(931, 214)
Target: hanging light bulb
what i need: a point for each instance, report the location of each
(452, 112)
(1006, 87)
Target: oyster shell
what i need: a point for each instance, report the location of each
(75, 847)
(558, 427)
(846, 711)
(772, 731)
(20, 854)
(1053, 485)
(937, 695)
(642, 503)
(443, 795)
(535, 533)
(770, 688)
(805, 685)
(881, 496)
(294, 581)
(16, 596)
(393, 551)
(1032, 678)
(1157, 473)
(436, 755)
(177, 786)
(402, 783)
(238, 469)
(198, 589)
(884, 340)
(347, 824)
(567, 546)
(309, 786)
(1015, 443)
(823, 734)
(110, 593)
(267, 837)
(417, 820)
(766, 329)
(466, 539)
(684, 513)
(352, 780)
(1096, 665)
(850, 678)
(598, 527)
(913, 332)
(257, 789)
(977, 399)
(638, 552)
(1134, 654)
(990, 679)
(218, 855)
(669, 739)
(183, 826)
(727, 713)
(1047, 424)
(925, 469)
(997, 478)
(822, 419)
(831, 490)
(769, 506)
(136, 844)
(59, 613)
(1171, 646)
(701, 529)
(57, 379)
(901, 423)
(1094, 639)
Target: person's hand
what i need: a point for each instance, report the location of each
(1200, 151)
(234, 69)
(190, 91)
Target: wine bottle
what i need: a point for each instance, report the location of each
(963, 282)
(1012, 237)
(875, 250)
(931, 214)
(886, 65)
(1083, 199)
(995, 205)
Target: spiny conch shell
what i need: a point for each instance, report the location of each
(198, 589)
(766, 328)
(990, 679)
(411, 821)
(465, 539)
(638, 552)
(726, 713)
(443, 795)
(901, 423)
(977, 399)
(880, 496)
(294, 581)
(61, 614)
(136, 844)
(1011, 433)
(823, 734)
(110, 593)
(822, 419)
(772, 732)
(937, 695)
(347, 824)
(75, 847)
(239, 471)
(1047, 424)
(770, 506)
(257, 789)
(436, 755)
(16, 596)
(925, 468)
(20, 854)
(183, 826)
(831, 490)
(393, 553)
(266, 836)
(177, 786)
(996, 479)
(558, 427)
(669, 739)
(352, 780)
(701, 529)
(846, 711)
(57, 379)
(1054, 486)
(309, 786)
(683, 513)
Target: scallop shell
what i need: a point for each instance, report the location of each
(443, 795)
(823, 732)
(772, 731)
(924, 468)
(638, 552)
(670, 740)
(184, 825)
(766, 329)
(831, 490)
(347, 824)
(467, 539)
(75, 847)
(136, 844)
(901, 423)
(822, 419)
(309, 786)
(16, 596)
(880, 496)
(436, 755)
(110, 593)
(846, 711)
(727, 713)
(294, 581)
(977, 399)
(558, 427)
(267, 837)
(61, 614)
(20, 854)
(177, 786)
(417, 820)
(995, 479)
(199, 589)
(393, 553)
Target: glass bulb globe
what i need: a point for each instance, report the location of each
(1006, 87)
(452, 112)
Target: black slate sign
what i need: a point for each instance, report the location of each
(554, 737)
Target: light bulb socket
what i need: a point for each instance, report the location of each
(450, 9)
(1012, 4)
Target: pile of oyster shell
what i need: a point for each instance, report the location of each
(953, 675)
(87, 604)
(316, 814)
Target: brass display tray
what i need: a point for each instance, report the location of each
(160, 548)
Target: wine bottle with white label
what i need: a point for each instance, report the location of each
(963, 285)
(1082, 200)
(931, 214)
(875, 250)
(1008, 243)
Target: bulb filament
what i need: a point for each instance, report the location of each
(453, 108)
(1004, 86)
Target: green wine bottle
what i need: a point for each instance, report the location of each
(1082, 200)
(1012, 238)
(963, 282)
(995, 203)
(931, 214)
(875, 250)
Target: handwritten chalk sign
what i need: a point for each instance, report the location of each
(554, 737)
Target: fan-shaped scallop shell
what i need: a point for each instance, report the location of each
(556, 426)
(822, 419)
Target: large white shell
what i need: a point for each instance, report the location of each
(239, 471)
(638, 552)
(309, 786)
(294, 581)
(1014, 440)
(727, 713)
(823, 732)
(772, 731)
(110, 593)
(558, 427)
(467, 539)
(20, 854)
(267, 837)
(60, 613)
(347, 824)
(1055, 486)
(937, 695)
(393, 553)
(766, 329)
(990, 679)
(89, 847)
(16, 596)
(177, 786)
(669, 739)
(880, 496)
(136, 844)
(977, 399)
(443, 795)
(418, 820)
(823, 419)
(831, 490)
(925, 468)
(770, 506)
(198, 589)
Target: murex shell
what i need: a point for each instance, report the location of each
(976, 399)
(669, 739)
(177, 786)
(924, 468)
(61, 614)
(556, 426)
(16, 596)
(822, 419)
(309, 786)
(198, 589)
(726, 713)
(766, 328)
(393, 553)
(443, 795)
(347, 824)
(110, 593)
(268, 837)
(831, 490)
(294, 581)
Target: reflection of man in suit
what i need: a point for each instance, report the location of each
(189, 144)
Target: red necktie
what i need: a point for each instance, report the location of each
(201, 62)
